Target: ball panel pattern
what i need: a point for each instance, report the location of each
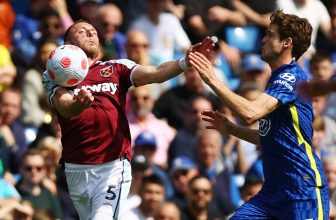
(67, 65)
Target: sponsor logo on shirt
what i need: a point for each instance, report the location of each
(286, 84)
(288, 77)
(264, 126)
(102, 87)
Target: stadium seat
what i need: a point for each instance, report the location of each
(247, 39)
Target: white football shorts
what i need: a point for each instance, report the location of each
(99, 191)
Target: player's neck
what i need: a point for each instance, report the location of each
(92, 61)
(279, 62)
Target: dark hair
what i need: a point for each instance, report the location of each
(49, 12)
(319, 57)
(292, 26)
(152, 179)
(251, 180)
(67, 35)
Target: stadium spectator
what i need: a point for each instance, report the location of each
(324, 140)
(32, 185)
(11, 129)
(257, 12)
(141, 119)
(140, 168)
(112, 40)
(254, 70)
(180, 97)
(163, 30)
(181, 172)
(329, 164)
(137, 47)
(88, 10)
(7, 19)
(8, 70)
(321, 68)
(50, 27)
(212, 165)
(165, 33)
(35, 109)
(152, 195)
(168, 211)
(306, 9)
(199, 197)
(146, 144)
(208, 18)
(184, 142)
(25, 40)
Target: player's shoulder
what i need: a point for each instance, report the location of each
(125, 62)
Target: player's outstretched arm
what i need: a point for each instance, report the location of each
(69, 105)
(221, 123)
(150, 74)
(249, 111)
(317, 87)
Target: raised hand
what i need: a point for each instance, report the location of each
(217, 121)
(203, 47)
(84, 98)
(203, 66)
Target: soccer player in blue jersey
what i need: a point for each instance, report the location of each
(295, 185)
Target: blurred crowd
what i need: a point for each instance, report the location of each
(181, 171)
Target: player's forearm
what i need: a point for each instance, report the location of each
(245, 133)
(67, 106)
(167, 71)
(149, 74)
(241, 106)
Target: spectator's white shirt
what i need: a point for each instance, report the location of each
(165, 38)
(314, 10)
(134, 214)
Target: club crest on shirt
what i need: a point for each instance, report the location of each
(264, 126)
(107, 71)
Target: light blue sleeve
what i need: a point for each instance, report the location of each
(50, 87)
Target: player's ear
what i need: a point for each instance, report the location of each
(288, 42)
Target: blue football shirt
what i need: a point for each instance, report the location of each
(289, 161)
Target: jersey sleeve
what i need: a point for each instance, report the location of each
(282, 87)
(50, 87)
(128, 68)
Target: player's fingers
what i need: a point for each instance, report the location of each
(210, 120)
(200, 60)
(210, 127)
(206, 44)
(208, 113)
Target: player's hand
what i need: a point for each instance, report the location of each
(84, 98)
(204, 48)
(217, 120)
(203, 66)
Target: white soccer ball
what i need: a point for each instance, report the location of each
(67, 65)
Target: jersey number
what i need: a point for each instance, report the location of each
(112, 194)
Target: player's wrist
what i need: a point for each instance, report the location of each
(183, 64)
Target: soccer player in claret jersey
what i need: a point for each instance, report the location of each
(95, 133)
(295, 184)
